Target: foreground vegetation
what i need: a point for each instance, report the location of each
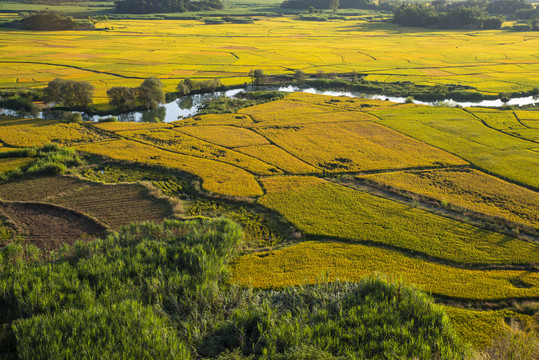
(287, 172)
(170, 277)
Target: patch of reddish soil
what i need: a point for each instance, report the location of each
(49, 226)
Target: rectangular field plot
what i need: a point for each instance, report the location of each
(357, 146)
(227, 136)
(217, 177)
(37, 132)
(186, 144)
(310, 261)
(470, 189)
(458, 132)
(321, 208)
(116, 205)
(279, 158)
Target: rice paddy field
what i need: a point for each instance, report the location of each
(294, 159)
(131, 50)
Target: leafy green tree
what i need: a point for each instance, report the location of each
(122, 97)
(300, 75)
(150, 93)
(69, 92)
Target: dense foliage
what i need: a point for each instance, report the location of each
(147, 96)
(158, 291)
(458, 18)
(50, 21)
(470, 14)
(69, 92)
(157, 6)
(328, 4)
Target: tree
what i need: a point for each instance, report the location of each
(122, 97)
(259, 76)
(334, 5)
(69, 92)
(300, 75)
(150, 93)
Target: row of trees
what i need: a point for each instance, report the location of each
(46, 21)
(147, 96)
(329, 4)
(461, 17)
(161, 6)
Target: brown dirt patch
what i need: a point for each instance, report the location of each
(49, 226)
(115, 205)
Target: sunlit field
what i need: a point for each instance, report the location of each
(131, 50)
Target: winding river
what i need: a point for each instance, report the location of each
(188, 106)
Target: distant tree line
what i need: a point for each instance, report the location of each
(470, 14)
(328, 4)
(162, 6)
(50, 21)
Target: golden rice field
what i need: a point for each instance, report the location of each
(356, 146)
(461, 133)
(470, 189)
(312, 261)
(185, 144)
(217, 177)
(491, 61)
(37, 132)
(321, 208)
(479, 328)
(227, 136)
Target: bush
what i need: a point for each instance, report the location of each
(119, 331)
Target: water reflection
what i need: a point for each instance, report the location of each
(188, 106)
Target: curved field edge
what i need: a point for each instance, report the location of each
(320, 208)
(311, 261)
(49, 226)
(467, 188)
(482, 328)
(460, 133)
(216, 177)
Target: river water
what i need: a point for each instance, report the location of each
(188, 106)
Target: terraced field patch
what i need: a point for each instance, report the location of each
(279, 158)
(227, 136)
(471, 189)
(113, 205)
(216, 176)
(311, 261)
(37, 132)
(321, 208)
(481, 328)
(462, 134)
(47, 226)
(357, 146)
(189, 145)
(116, 205)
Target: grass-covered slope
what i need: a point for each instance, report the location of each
(158, 291)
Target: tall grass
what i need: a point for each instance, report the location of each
(159, 291)
(49, 159)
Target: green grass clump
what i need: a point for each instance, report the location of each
(159, 291)
(372, 319)
(49, 159)
(120, 331)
